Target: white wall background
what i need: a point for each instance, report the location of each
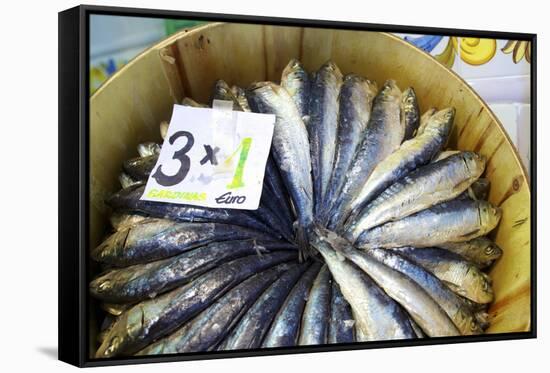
(28, 192)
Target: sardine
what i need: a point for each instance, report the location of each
(129, 200)
(481, 251)
(127, 181)
(410, 114)
(252, 328)
(410, 155)
(377, 316)
(424, 120)
(425, 187)
(383, 135)
(158, 317)
(239, 93)
(144, 281)
(315, 320)
(153, 239)
(122, 220)
(463, 316)
(285, 329)
(453, 221)
(208, 328)
(462, 277)
(295, 80)
(222, 91)
(480, 188)
(140, 168)
(148, 148)
(273, 181)
(445, 154)
(355, 105)
(290, 149)
(322, 128)
(341, 328)
(416, 301)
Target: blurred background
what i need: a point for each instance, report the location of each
(499, 70)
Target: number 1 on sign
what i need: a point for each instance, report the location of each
(244, 147)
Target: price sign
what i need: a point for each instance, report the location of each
(212, 158)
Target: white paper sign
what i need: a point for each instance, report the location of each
(212, 158)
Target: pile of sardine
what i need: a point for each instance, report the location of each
(368, 229)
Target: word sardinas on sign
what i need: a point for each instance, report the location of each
(212, 158)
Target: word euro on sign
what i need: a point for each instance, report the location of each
(212, 158)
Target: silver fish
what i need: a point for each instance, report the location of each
(295, 80)
(445, 154)
(143, 281)
(461, 276)
(481, 251)
(453, 221)
(239, 93)
(290, 149)
(148, 148)
(341, 328)
(410, 114)
(222, 91)
(383, 135)
(207, 329)
(410, 155)
(424, 120)
(420, 305)
(322, 128)
(355, 101)
(252, 328)
(158, 317)
(456, 307)
(376, 315)
(127, 181)
(427, 186)
(315, 320)
(285, 329)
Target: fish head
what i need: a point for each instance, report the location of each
(480, 285)
(474, 162)
(294, 70)
(222, 88)
(389, 92)
(125, 331)
(491, 252)
(444, 115)
(489, 215)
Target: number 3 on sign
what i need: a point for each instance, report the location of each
(243, 150)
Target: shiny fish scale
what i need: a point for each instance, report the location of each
(383, 135)
(251, 329)
(453, 221)
(377, 316)
(212, 325)
(463, 277)
(422, 188)
(155, 318)
(355, 104)
(455, 307)
(410, 155)
(315, 320)
(322, 127)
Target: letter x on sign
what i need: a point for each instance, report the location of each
(210, 155)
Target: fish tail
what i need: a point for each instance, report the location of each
(305, 250)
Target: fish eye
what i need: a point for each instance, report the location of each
(489, 250)
(473, 325)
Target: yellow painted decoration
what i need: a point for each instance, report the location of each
(519, 49)
(475, 51)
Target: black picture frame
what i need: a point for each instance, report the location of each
(74, 182)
